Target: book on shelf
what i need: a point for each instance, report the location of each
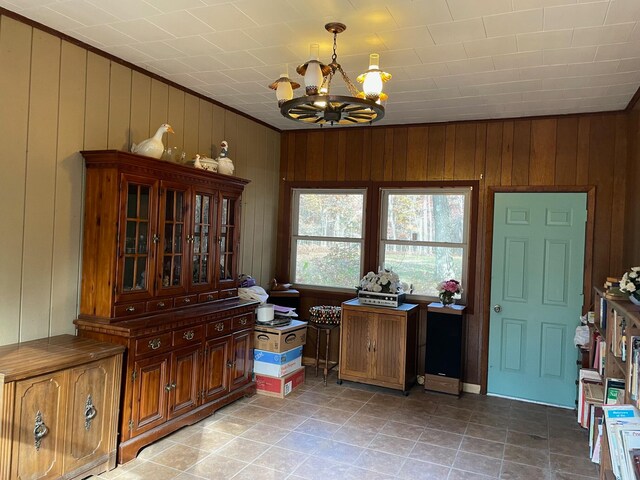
(585, 376)
(603, 313)
(630, 452)
(618, 418)
(593, 396)
(595, 432)
(634, 366)
(614, 391)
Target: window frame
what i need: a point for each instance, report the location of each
(295, 236)
(465, 245)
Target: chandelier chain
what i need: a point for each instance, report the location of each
(334, 57)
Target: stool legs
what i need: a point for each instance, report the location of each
(317, 349)
(326, 356)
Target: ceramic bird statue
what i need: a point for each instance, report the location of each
(225, 165)
(196, 162)
(152, 147)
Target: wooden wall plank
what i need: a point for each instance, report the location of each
(450, 150)
(96, 111)
(417, 142)
(175, 118)
(218, 130)
(139, 122)
(619, 209)
(119, 107)
(388, 154)
(542, 165)
(481, 151)
(582, 156)
(262, 181)
(314, 155)
(507, 153)
(493, 161)
(355, 153)
(521, 152)
(399, 159)
(299, 165)
(15, 57)
(40, 187)
(566, 151)
(250, 195)
(342, 155)
(436, 152)
(631, 252)
(465, 151)
(377, 157)
(205, 128)
(330, 155)
(268, 254)
(191, 118)
(366, 154)
(159, 107)
(69, 188)
(240, 152)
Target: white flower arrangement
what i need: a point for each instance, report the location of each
(385, 281)
(630, 282)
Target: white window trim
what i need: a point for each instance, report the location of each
(295, 211)
(466, 191)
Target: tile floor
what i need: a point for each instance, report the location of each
(354, 431)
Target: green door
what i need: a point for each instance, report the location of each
(536, 295)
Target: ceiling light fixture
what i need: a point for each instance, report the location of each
(318, 105)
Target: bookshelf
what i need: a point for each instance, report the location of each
(618, 322)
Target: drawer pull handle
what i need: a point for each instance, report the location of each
(155, 344)
(90, 412)
(161, 305)
(188, 335)
(187, 300)
(220, 326)
(209, 297)
(130, 309)
(40, 430)
(243, 321)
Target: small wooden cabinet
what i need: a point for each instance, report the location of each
(59, 401)
(378, 345)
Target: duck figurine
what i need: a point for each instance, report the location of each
(225, 165)
(205, 163)
(152, 147)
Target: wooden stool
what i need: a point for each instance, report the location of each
(324, 318)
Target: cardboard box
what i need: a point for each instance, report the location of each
(277, 358)
(279, 387)
(280, 339)
(277, 370)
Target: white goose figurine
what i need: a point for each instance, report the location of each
(152, 147)
(225, 165)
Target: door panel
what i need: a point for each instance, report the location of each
(537, 280)
(242, 359)
(356, 335)
(40, 399)
(216, 372)
(150, 395)
(389, 349)
(183, 394)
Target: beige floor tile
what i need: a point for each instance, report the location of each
(252, 413)
(208, 440)
(417, 470)
(217, 467)
(284, 420)
(180, 457)
(299, 442)
(447, 424)
(433, 454)
(380, 462)
(478, 464)
(255, 472)
(337, 451)
(354, 436)
(516, 471)
(150, 470)
(485, 432)
(152, 450)
(280, 459)
(300, 408)
(243, 449)
(527, 440)
(355, 473)
(402, 430)
(232, 425)
(529, 456)
(441, 438)
(393, 445)
(353, 394)
(483, 447)
(575, 465)
(346, 404)
(263, 433)
(463, 475)
(366, 422)
(321, 469)
(318, 428)
(332, 415)
(268, 402)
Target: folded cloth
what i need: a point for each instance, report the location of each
(253, 293)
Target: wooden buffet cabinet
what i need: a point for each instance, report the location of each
(378, 345)
(58, 408)
(159, 276)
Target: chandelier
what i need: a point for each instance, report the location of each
(318, 106)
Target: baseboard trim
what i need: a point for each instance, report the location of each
(471, 388)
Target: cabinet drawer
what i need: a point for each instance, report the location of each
(219, 328)
(185, 300)
(158, 343)
(207, 297)
(242, 321)
(228, 293)
(128, 309)
(158, 305)
(187, 336)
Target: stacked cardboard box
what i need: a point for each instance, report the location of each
(278, 358)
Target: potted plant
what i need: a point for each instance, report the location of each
(447, 290)
(630, 284)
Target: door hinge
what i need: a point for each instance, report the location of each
(130, 424)
(134, 375)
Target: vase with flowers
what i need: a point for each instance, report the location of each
(630, 284)
(447, 290)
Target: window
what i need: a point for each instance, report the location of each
(424, 235)
(327, 241)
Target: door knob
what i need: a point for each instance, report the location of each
(497, 308)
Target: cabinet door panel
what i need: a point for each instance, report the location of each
(183, 395)
(242, 359)
(205, 218)
(389, 349)
(172, 245)
(43, 398)
(216, 372)
(150, 393)
(355, 346)
(228, 240)
(89, 412)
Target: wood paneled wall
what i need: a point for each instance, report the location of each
(56, 99)
(579, 150)
(632, 217)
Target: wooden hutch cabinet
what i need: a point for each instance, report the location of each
(59, 400)
(159, 276)
(378, 345)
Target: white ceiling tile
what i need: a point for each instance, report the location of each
(618, 51)
(396, 58)
(426, 70)
(89, 41)
(252, 88)
(180, 24)
(441, 53)
(565, 83)
(629, 65)
(184, 79)
(569, 55)
(500, 88)
(406, 37)
(517, 60)
(238, 59)
(514, 22)
(602, 35)
(267, 13)
(193, 46)
(623, 89)
(52, 19)
(464, 9)
(621, 11)
(473, 65)
(245, 75)
(131, 54)
(142, 30)
(223, 17)
(173, 5)
(212, 77)
(411, 14)
(275, 55)
(158, 50)
(219, 89)
(545, 71)
(593, 68)
(491, 46)
(282, 35)
(273, 72)
(528, 4)
(232, 41)
(104, 35)
(83, 12)
(203, 63)
(575, 16)
(544, 40)
(127, 9)
(169, 66)
(421, 84)
(456, 32)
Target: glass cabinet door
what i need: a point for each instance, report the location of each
(227, 240)
(136, 244)
(173, 239)
(203, 240)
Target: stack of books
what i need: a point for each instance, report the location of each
(623, 431)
